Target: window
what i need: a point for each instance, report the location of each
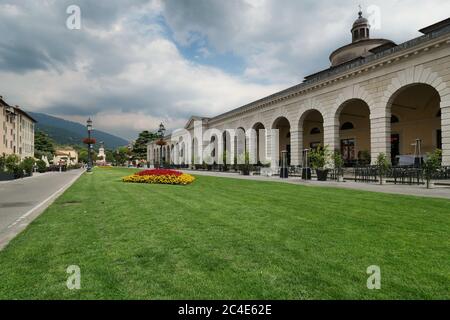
(439, 139)
(394, 119)
(315, 131)
(347, 126)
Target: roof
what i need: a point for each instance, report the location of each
(19, 110)
(435, 27)
(435, 31)
(16, 109)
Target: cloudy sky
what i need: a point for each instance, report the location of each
(135, 63)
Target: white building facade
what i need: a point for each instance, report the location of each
(17, 131)
(377, 97)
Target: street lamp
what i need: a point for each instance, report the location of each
(89, 129)
(161, 134)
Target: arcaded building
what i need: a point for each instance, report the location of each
(376, 97)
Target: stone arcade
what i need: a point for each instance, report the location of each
(376, 97)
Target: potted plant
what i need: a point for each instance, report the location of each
(319, 160)
(364, 157)
(432, 165)
(244, 167)
(382, 165)
(338, 165)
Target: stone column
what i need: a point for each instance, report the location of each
(296, 147)
(331, 135)
(252, 146)
(274, 147)
(445, 128)
(380, 136)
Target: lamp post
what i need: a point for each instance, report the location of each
(161, 133)
(89, 129)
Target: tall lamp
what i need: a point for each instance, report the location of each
(89, 129)
(161, 134)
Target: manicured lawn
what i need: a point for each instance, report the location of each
(229, 239)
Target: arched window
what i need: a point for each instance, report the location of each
(347, 126)
(315, 131)
(394, 119)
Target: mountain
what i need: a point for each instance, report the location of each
(72, 133)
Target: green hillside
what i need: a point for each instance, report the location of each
(71, 133)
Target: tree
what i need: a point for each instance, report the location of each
(121, 156)
(43, 145)
(432, 165)
(383, 166)
(140, 146)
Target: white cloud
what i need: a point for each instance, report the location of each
(124, 69)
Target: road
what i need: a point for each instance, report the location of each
(21, 201)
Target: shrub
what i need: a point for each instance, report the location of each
(11, 163)
(431, 165)
(41, 166)
(27, 165)
(383, 166)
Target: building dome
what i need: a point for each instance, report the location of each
(361, 45)
(361, 28)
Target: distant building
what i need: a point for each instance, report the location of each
(65, 156)
(101, 157)
(17, 131)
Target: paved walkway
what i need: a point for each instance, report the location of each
(421, 191)
(21, 201)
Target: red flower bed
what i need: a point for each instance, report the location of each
(159, 172)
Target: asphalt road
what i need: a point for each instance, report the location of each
(21, 201)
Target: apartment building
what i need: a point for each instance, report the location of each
(17, 131)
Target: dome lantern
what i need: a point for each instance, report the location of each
(361, 28)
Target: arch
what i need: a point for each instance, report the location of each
(311, 128)
(411, 76)
(259, 142)
(418, 105)
(283, 126)
(355, 92)
(352, 119)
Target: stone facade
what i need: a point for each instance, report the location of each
(364, 93)
(17, 131)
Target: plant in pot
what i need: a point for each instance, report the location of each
(364, 157)
(338, 165)
(244, 160)
(319, 159)
(432, 165)
(382, 165)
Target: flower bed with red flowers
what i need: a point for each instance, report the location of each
(160, 172)
(160, 176)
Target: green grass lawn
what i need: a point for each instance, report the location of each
(229, 239)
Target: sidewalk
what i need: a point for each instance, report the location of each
(420, 191)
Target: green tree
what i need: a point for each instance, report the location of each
(382, 165)
(121, 156)
(140, 146)
(43, 145)
(432, 165)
